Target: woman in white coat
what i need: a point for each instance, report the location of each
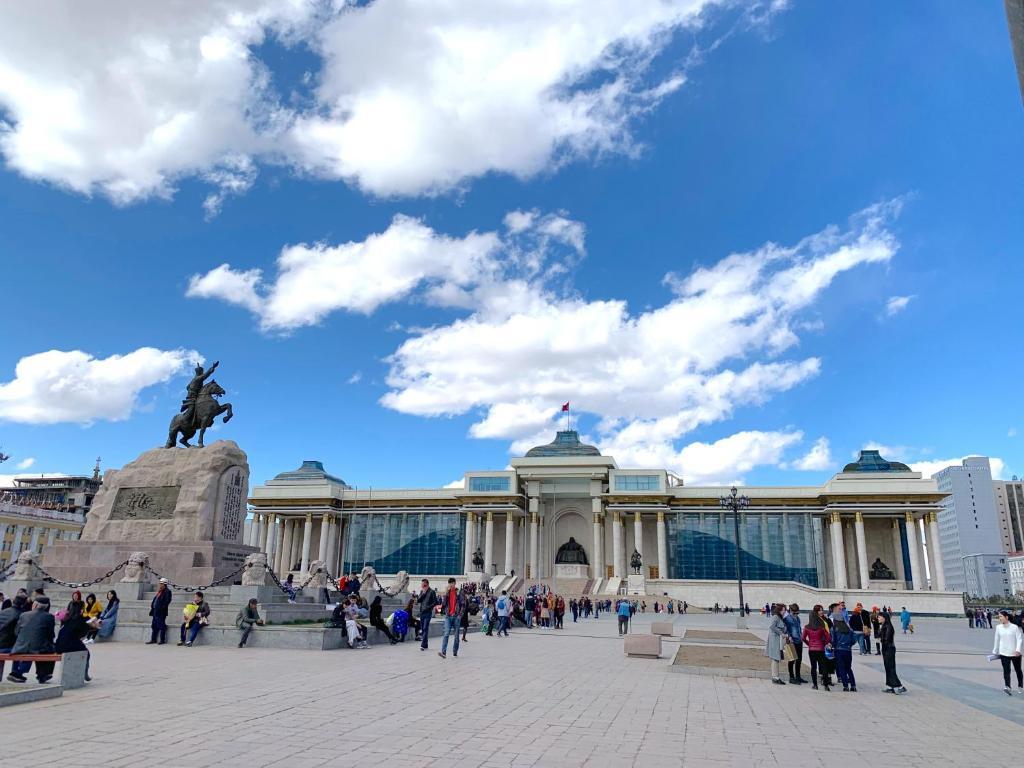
(1007, 646)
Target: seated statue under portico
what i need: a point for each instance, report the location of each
(571, 553)
(880, 571)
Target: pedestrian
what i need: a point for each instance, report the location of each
(887, 637)
(815, 638)
(9, 631)
(34, 636)
(502, 607)
(158, 608)
(792, 619)
(528, 606)
(970, 617)
(452, 606)
(108, 619)
(196, 615)
(377, 620)
(575, 608)
(427, 601)
(905, 619)
(247, 618)
(464, 623)
(1007, 646)
(73, 628)
(623, 613)
(778, 635)
(876, 629)
(843, 640)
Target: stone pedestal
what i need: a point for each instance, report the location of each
(883, 585)
(184, 507)
(636, 584)
(475, 577)
(571, 571)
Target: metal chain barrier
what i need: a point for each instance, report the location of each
(6, 572)
(78, 585)
(189, 588)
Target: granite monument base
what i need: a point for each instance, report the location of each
(571, 571)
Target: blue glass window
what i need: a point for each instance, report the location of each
(417, 542)
(499, 483)
(637, 483)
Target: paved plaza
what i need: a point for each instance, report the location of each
(540, 697)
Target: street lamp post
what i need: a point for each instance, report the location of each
(736, 503)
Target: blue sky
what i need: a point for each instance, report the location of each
(479, 229)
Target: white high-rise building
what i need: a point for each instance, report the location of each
(1010, 512)
(968, 523)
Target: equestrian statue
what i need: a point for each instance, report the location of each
(199, 409)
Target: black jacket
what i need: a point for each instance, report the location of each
(35, 633)
(9, 626)
(887, 635)
(69, 638)
(161, 603)
(428, 599)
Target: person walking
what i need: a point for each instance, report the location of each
(815, 637)
(427, 601)
(158, 609)
(247, 618)
(793, 625)
(905, 619)
(1007, 646)
(778, 635)
(502, 607)
(623, 613)
(452, 606)
(843, 640)
(887, 638)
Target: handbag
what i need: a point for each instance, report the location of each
(788, 652)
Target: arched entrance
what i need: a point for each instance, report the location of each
(569, 521)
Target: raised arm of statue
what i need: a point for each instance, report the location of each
(210, 370)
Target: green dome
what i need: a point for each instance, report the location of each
(871, 461)
(310, 470)
(566, 443)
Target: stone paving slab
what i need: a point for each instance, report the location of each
(537, 698)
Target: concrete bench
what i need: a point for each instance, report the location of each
(643, 646)
(72, 668)
(662, 628)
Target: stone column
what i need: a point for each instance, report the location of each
(638, 533)
(510, 542)
(595, 559)
(285, 560)
(489, 543)
(862, 551)
(307, 539)
(50, 536)
(523, 547)
(264, 524)
(271, 539)
(838, 551)
(341, 544)
(914, 545)
(467, 559)
(325, 526)
(616, 544)
(19, 531)
(332, 546)
(33, 541)
(662, 547)
(542, 546)
(939, 574)
(3, 535)
(897, 547)
(766, 552)
(534, 534)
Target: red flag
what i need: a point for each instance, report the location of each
(565, 407)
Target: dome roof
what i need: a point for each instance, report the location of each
(871, 461)
(310, 470)
(566, 443)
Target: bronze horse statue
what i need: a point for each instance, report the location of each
(200, 417)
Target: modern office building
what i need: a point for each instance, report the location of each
(1010, 513)
(853, 535)
(968, 524)
(986, 575)
(1015, 567)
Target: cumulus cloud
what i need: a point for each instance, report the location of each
(897, 304)
(26, 463)
(409, 97)
(650, 377)
(816, 459)
(58, 386)
(929, 468)
(355, 378)
(314, 280)
(456, 484)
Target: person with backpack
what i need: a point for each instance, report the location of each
(502, 607)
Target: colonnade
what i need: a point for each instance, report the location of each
(288, 539)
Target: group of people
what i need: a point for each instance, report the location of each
(28, 627)
(829, 638)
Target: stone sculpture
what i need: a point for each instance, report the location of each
(635, 561)
(881, 571)
(255, 573)
(25, 567)
(478, 559)
(199, 409)
(136, 572)
(571, 553)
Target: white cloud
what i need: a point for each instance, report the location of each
(459, 484)
(929, 468)
(26, 463)
(410, 97)
(816, 459)
(897, 304)
(1011, 432)
(58, 386)
(355, 378)
(408, 258)
(650, 377)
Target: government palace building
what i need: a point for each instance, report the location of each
(568, 517)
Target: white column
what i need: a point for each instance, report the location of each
(897, 548)
(19, 531)
(467, 560)
(341, 543)
(914, 545)
(862, 551)
(510, 542)
(264, 523)
(3, 535)
(51, 536)
(838, 551)
(332, 546)
(489, 544)
(595, 560)
(33, 540)
(616, 545)
(662, 547)
(285, 559)
(935, 545)
(638, 534)
(271, 539)
(623, 560)
(534, 533)
(254, 530)
(307, 540)
(325, 526)
(542, 551)
(524, 547)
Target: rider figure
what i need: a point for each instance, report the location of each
(188, 405)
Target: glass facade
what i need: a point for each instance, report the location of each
(418, 542)
(702, 545)
(637, 483)
(490, 483)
